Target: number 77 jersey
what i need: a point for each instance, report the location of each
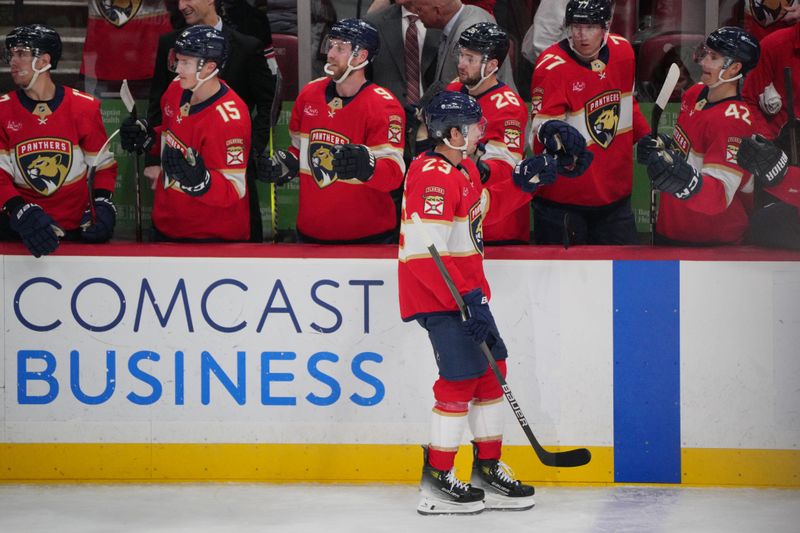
(708, 135)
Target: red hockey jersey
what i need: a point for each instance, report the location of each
(597, 100)
(219, 130)
(121, 40)
(46, 149)
(333, 209)
(778, 50)
(450, 203)
(507, 117)
(709, 135)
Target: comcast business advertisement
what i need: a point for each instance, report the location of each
(255, 350)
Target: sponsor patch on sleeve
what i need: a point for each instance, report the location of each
(433, 201)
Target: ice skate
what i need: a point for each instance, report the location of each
(502, 491)
(441, 492)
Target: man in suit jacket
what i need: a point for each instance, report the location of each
(453, 17)
(246, 72)
(389, 67)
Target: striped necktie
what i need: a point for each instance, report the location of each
(412, 60)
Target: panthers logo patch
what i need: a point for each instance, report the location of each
(118, 12)
(45, 163)
(602, 117)
(320, 155)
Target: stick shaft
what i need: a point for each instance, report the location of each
(570, 458)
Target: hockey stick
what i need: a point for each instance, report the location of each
(130, 104)
(92, 171)
(569, 458)
(277, 103)
(670, 82)
(791, 120)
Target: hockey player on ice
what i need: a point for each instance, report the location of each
(444, 187)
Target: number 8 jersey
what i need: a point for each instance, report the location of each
(708, 135)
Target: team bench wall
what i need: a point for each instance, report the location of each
(291, 363)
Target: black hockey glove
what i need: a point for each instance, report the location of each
(38, 230)
(277, 169)
(105, 218)
(559, 138)
(670, 173)
(538, 170)
(763, 159)
(353, 161)
(479, 316)
(136, 135)
(190, 172)
(483, 168)
(573, 166)
(649, 144)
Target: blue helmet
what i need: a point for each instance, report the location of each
(449, 109)
(359, 33)
(486, 38)
(39, 38)
(589, 12)
(735, 44)
(203, 42)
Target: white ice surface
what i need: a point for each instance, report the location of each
(379, 508)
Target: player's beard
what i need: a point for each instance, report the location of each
(468, 80)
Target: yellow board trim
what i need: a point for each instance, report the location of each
(284, 463)
(353, 463)
(717, 466)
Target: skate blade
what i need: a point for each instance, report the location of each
(496, 502)
(432, 506)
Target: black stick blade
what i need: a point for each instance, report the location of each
(567, 459)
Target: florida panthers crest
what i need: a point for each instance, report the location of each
(45, 163)
(602, 117)
(118, 12)
(320, 155)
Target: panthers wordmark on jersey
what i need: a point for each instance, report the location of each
(334, 209)
(597, 99)
(46, 149)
